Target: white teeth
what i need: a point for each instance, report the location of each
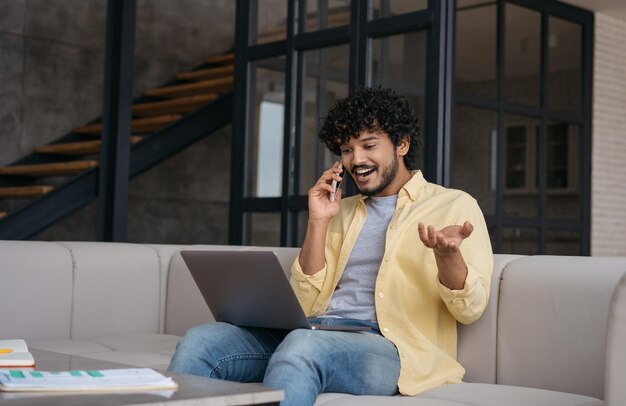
(363, 171)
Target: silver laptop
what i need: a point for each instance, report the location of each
(250, 289)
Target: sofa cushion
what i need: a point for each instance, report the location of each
(116, 289)
(184, 305)
(156, 343)
(342, 399)
(466, 394)
(477, 341)
(616, 348)
(552, 322)
(143, 359)
(479, 394)
(71, 347)
(35, 290)
(164, 253)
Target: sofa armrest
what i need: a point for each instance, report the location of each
(615, 374)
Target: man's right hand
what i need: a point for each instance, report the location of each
(320, 206)
(321, 210)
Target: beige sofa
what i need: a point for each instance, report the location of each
(554, 332)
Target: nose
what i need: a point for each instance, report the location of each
(358, 157)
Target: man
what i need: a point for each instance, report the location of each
(362, 263)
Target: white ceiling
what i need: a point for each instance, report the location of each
(614, 8)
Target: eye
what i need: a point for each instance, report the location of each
(346, 150)
(370, 146)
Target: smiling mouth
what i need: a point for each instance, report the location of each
(362, 173)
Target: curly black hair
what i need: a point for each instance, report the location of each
(372, 109)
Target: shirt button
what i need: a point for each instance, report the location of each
(381, 295)
(386, 259)
(392, 227)
(385, 329)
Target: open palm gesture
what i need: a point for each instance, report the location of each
(447, 240)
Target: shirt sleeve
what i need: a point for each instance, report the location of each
(306, 287)
(467, 305)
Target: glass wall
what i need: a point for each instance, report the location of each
(475, 155)
(518, 132)
(399, 62)
(265, 149)
(264, 229)
(390, 8)
(289, 80)
(477, 79)
(325, 80)
(565, 65)
(518, 123)
(323, 14)
(270, 23)
(522, 55)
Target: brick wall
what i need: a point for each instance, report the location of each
(608, 198)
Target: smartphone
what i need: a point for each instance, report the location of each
(336, 185)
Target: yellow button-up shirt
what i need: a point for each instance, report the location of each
(414, 310)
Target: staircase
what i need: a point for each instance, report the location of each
(59, 178)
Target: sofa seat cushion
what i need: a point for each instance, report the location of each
(466, 394)
(157, 343)
(480, 394)
(341, 399)
(141, 350)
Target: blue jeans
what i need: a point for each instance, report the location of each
(302, 362)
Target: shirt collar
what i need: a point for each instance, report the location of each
(414, 186)
(411, 189)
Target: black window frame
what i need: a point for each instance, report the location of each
(437, 20)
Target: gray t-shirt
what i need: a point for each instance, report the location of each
(354, 295)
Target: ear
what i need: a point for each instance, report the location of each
(403, 148)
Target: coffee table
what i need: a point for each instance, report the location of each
(192, 390)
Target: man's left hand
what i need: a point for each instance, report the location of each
(445, 243)
(447, 240)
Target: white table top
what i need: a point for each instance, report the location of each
(192, 390)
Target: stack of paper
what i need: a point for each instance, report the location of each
(93, 380)
(14, 353)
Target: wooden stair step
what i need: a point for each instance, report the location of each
(19, 192)
(208, 73)
(220, 85)
(77, 148)
(140, 125)
(179, 105)
(221, 59)
(49, 169)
